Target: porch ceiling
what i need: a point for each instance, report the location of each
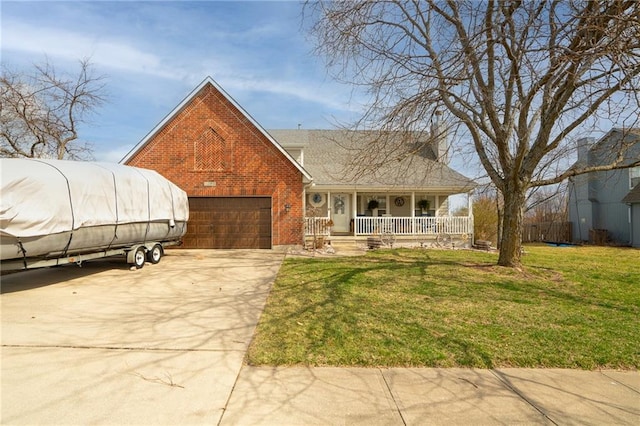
(395, 190)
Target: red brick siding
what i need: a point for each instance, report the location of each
(251, 166)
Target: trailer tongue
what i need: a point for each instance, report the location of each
(54, 212)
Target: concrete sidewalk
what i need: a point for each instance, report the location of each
(165, 345)
(399, 396)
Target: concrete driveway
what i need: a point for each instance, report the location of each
(104, 344)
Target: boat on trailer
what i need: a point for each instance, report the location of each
(55, 212)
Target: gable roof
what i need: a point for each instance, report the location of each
(187, 100)
(328, 156)
(605, 149)
(633, 196)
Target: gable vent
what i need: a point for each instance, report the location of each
(212, 152)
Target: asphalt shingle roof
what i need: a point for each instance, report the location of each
(633, 196)
(330, 157)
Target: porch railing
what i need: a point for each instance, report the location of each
(316, 226)
(398, 225)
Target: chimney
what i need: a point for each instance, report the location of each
(584, 145)
(439, 138)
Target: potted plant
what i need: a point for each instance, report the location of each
(424, 205)
(373, 204)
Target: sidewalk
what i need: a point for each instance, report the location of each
(398, 396)
(164, 345)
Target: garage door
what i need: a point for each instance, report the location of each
(229, 222)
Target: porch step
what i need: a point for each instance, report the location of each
(483, 245)
(373, 242)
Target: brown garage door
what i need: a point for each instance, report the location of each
(229, 223)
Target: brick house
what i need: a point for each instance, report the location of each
(253, 188)
(244, 189)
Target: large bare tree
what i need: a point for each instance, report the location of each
(40, 112)
(521, 79)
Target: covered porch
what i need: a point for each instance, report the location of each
(408, 214)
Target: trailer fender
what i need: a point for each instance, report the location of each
(137, 256)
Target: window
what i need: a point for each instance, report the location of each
(634, 177)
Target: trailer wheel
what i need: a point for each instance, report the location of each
(155, 254)
(139, 257)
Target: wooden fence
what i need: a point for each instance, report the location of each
(547, 231)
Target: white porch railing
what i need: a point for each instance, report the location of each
(316, 226)
(413, 225)
(398, 225)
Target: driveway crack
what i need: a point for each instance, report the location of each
(618, 382)
(521, 395)
(404, 422)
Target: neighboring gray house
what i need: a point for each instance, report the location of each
(633, 200)
(605, 206)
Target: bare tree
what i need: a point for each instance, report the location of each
(521, 79)
(547, 204)
(40, 113)
(485, 225)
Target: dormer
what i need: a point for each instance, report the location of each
(294, 142)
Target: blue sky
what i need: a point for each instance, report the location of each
(154, 53)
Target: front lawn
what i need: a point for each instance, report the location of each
(573, 307)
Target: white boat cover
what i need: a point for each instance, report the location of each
(42, 197)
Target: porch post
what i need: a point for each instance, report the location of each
(413, 212)
(470, 213)
(304, 215)
(354, 210)
(329, 204)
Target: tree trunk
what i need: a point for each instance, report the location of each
(512, 226)
(499, 224)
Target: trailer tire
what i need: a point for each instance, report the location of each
(139, 257)
(155, 254)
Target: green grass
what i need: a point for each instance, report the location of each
(573, 307)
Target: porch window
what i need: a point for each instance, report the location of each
(430, 210)
(383, 204)
(363, 201)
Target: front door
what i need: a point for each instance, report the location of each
(340, 212)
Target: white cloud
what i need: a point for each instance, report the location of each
(68, 45)
(124, 56)
(303, 90)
